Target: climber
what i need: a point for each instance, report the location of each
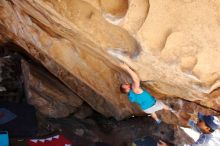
(207, 126)
(139, 95)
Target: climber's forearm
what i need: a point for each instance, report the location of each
(134, 76)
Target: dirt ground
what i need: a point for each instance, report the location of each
(84, 132)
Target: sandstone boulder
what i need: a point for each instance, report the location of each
(173, 44)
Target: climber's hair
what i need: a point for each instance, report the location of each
(211, 130)
(123, 90)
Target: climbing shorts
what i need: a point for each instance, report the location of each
(156, 107)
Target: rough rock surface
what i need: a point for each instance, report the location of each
(173, 44)
(10, 77)
(47, 93)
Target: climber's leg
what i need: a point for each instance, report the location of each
(154, 116)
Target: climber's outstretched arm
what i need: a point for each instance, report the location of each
(134, 76)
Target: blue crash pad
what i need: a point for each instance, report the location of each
(6, 116)
(4, 138)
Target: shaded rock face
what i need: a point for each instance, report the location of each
(171, 43)
(47, 93)
(185, 110)
(11, 87)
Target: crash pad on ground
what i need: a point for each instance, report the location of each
(57, 140)
(25, 122)
(6, 116)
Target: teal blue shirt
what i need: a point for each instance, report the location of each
(144, 99)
